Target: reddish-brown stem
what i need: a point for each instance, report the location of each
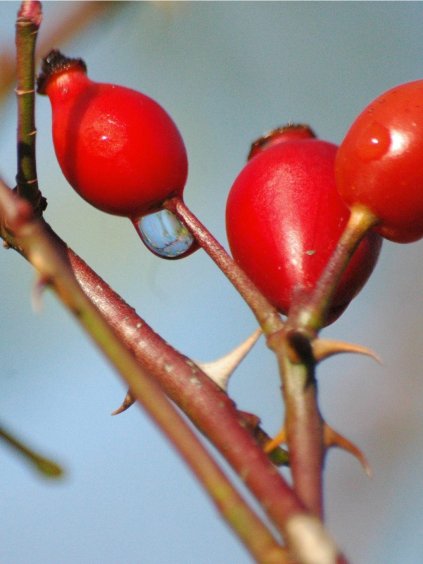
(52, 263)
(304, 426)
(266, 315)
(303, 421)
(210, 409)
(235, 442)
(206, 404)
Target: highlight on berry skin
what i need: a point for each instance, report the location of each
(379, 165)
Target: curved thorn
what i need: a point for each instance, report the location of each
(277, 440)
(127, 402)
(325, 348)
(334, 439)
(220, 370)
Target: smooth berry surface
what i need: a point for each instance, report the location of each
(284, 218)
(118, 148)
(380, 162)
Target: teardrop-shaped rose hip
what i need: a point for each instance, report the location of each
(118, 148)
(284, 218)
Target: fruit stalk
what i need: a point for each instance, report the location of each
(266, 315)
(312, 314)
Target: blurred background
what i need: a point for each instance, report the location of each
(226, 72)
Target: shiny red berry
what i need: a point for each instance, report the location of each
(380, 162)
(284, 218)
(118, 148)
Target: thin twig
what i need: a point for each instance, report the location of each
(63, 31)
(206, 405)
(27, 25)
(53, 266)
(266, 315)
(201, 399)
(303, 425)
(46, 467)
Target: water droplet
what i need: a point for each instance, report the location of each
(374, 142)
(164, 235)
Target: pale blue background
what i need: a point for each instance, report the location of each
(226, 72)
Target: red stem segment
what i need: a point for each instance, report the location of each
(266, 315)
(208, 407)
(211, 410)
(186, 383)
(52, 263)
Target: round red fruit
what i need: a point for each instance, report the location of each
(284, 218)
(380, 166)
(118, 148)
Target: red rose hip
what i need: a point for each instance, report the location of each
(284, 218)
(379, 165)
(118, 148)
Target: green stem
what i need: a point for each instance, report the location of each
(27, 25)
(46, 467)
(266, 315)
(52, 263)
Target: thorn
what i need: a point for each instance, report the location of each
(325, 348)
(126, 404)
(37, 291)
(221, 369)
(279, 439)
(334, 439)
